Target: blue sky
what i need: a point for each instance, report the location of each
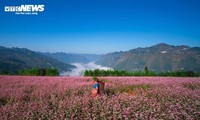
(101, 26)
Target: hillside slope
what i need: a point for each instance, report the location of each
(73, 58)
(14, 59)
(160, 58)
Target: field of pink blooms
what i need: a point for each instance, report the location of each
(26, 97)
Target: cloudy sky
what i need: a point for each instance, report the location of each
(100, 26)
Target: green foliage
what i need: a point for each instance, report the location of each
(146, 72)
(52, 72)
(39, 72)
(98, 72)
(95, 78)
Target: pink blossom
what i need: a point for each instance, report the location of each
(31, 97)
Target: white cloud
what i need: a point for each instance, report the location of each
(81, 67)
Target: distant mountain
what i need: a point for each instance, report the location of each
(73, 58)
(160, 58)
(14, 59)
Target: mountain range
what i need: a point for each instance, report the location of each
(72, 57)
(14, 59)
(159, 58)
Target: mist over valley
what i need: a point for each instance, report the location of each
(81, 67)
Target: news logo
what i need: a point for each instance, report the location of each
(25, 9)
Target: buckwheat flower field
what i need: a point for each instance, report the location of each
(59, 98)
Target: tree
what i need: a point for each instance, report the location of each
(52, 72)
(35, 71)
(86, 73)
(146, 70)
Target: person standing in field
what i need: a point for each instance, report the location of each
(95, 87)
